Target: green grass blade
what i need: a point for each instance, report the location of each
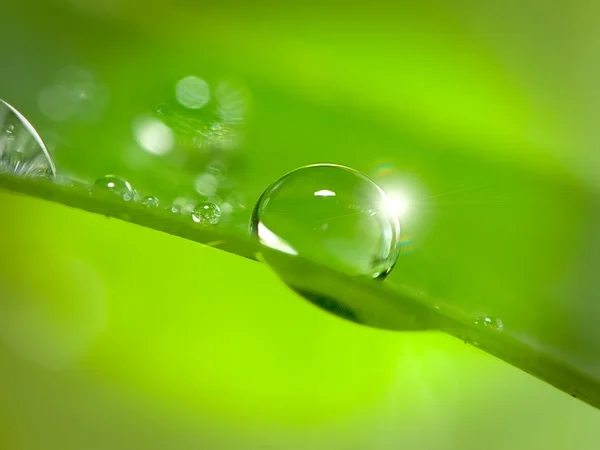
(372, 303)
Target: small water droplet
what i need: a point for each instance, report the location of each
(150, 202)
(22, 151)
(490, 322)
(113, 185)
(206, 184)
(360, 237)
(207, 213)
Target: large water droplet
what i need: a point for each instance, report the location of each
(112, 185)
(207, 213)
(332, 215)
(22, 151)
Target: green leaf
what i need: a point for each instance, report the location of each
(386, 305)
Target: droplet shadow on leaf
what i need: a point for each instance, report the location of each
(349, 298)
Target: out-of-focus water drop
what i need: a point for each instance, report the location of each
(113, 185)
(74, 96)
(232, 102)
(192, 92)
(153, 135)
(150, 202)
(332, 215)
(22, 151)
(206, 184)
(207, 213)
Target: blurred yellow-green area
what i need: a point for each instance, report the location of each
(482, 114)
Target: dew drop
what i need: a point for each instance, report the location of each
(207, 213)
(150, 202)
(112, 185)
(22, 151)
(490, 322)
(332, 215)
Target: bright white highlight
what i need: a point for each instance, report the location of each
(324, 193)
(397, 204)
(154, 136)
(270, 239)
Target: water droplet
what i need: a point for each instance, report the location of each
(192, 92)
(206, 184)
(207, 213)
(491, 322)
(361, 235)
(112, 185)
(150, 202)
(22, 151)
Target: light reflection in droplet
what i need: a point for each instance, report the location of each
(324, 193)
(397, 204)
(153, 135)
(270, 239)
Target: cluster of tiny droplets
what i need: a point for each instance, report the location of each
(205, 213)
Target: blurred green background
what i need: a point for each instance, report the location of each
(481, 114)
